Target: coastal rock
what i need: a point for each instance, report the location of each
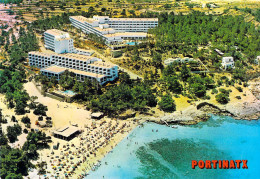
(213, 109)
(127, 114)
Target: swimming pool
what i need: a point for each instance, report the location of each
(68, 92)
(131, 43)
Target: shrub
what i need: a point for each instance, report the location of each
(40, 118)
(13, 119)
(25, 131)
(239, 89)
(4, 121)
(167, 104)
(238, 97)
(222, 98)
(32, 105)
(245, 84)
(214, 91)
(40, 110)
(13, 132)
(26, 120)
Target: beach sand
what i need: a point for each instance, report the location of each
(63, 114)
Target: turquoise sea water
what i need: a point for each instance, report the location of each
(157, 151)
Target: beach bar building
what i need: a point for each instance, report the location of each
(97, 115)
(66, 133)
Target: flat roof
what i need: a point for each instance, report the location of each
(41, 53)
(129, 34)
(67, 131)
(133, 19)
(97, 114)
(83, 19)
(90, 20)
(102, 64)
(59, 69)
(75, 56)
(55, 32)
(85, 73)
(55, 69)
(84, 50)
(65, 55)
(100, 29)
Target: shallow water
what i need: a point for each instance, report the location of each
(158, 151)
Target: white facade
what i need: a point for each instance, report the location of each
(178, 60)
(228, 62)
(58, 41)
(257, 60)
(57, 71)
(79, 64)
(83, 52)
(115, 30)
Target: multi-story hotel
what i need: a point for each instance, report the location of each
(58, 41)
(115, 30)
(53, 64)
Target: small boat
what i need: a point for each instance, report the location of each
(174, 127)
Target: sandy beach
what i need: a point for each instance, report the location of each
(95, 141)
(79, 155)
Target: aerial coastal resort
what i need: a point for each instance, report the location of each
(102, 134)
(126, 89)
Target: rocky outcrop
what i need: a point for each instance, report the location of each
(213, 109)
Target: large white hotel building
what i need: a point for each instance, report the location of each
(85, 67)
(66, 57)
(61, 42)
(58, 41)
(115, 30)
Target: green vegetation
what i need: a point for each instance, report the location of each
(13, 132)
(12, 78)
(26, 120)
(120, 98)
(11, 85)
(40, 110)
(182, 34)
(35, 141)
(13, 163)
(257, 15)
(223, 96)
(167, 104)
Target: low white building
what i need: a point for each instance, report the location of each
(257, 60)
(58, 41)
(178, 60)
(83, 51)
(228, 63)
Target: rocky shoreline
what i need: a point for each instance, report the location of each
(193, 115)
(246, 109)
